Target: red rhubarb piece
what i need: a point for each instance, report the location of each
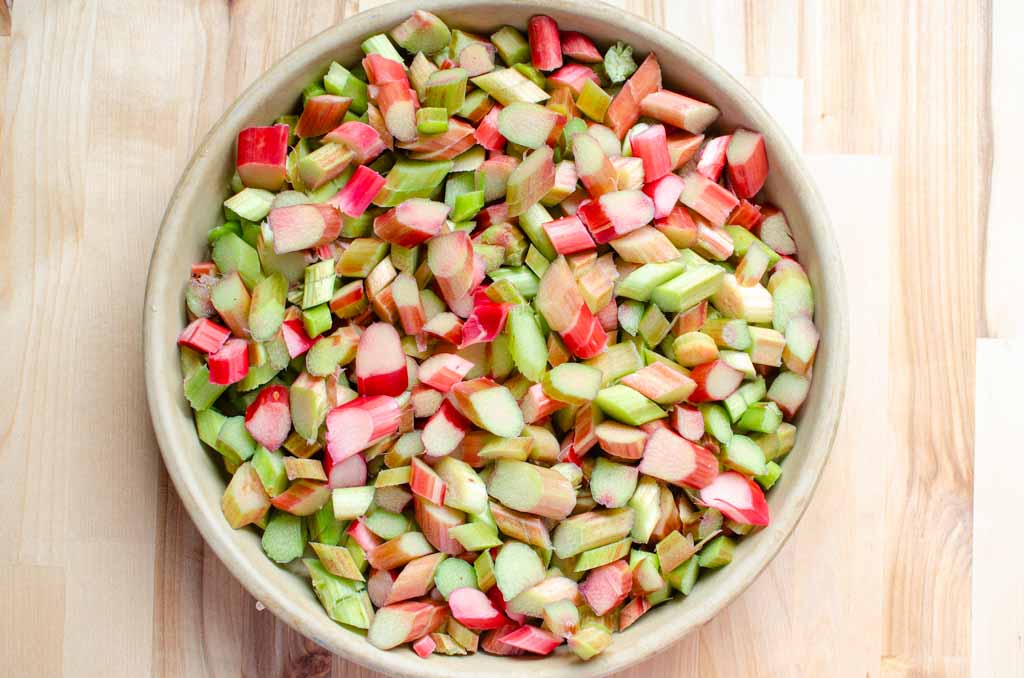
(484, 324)
(715, 381)
(738, 497)
(380, 362)
(748, 162)
(321, 114)
(624, 110)
(204, 335)
(577, 46)
(607, 586)
(230, 364)
(359, 423)
(664, 193)
(295, 338)
(299, 227)
(424, 482)
(355, 196)
(262, 157)
(712, 157)
(545, 43)
(349, 472)
(268, 419)
(676, 460)
(532, 639)
(651, 146)
(474, 610)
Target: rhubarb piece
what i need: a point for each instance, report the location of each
(230, 363)
(619, 440)
(425, 646)
(530, 181)
(532, 639)
(572, 383)
(489, 406)
(678, 226)
(738, 497)
(579, 47)
(603, 555)
(688, 422)
(712, 157)
(531, 489)
(415, 579)
(612, 484)
(717, 553)
(454, 574)
(251, 204)
(528, 124)
(437, 523)
(742, 454)
(361, 140)
(268, 418)
(529, 351)
(424, 482)
(661, 383)
(283, 539)
(679, 111)
(300, 227)
(651, 146)
(753, 265)
(625, 108)
(715, 381)
(404, 622)
(676, 460)
(351, 502)
(521, 526)
(748, 163)
(244, 501)
(380, 363)
(606, 587)
(572, 77)
(774, 232)
(451, 259)
(204, 335)
(545, 43)
(261, 157)
(321, 114)
(674, 550)
(707, 198)
(511, 45)
(444, 430)
(641, 283)
(516, 569)
(421, 32)
(594, 168)
(615, 214)
(801, 344)
(688, 288)
(474, 610)
(443, 371)
(412, 223)
(590, 530)
(380, 45)
(358, 424)
(303, 498)
(484, 324)
(399, 551)
(508, 85)
(589, 642)
(788, 391)
(645, 245)
(627, 405)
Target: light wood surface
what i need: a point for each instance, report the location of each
(909, 115)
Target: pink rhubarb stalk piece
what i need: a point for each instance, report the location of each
(361, 139)
(262, 157)
(536, 404)
(746, 215)
(412, 223)
(381, 70)
(487, 134)
(678, 226)
(380, 362)
(569, 235)
(406, 294)
(445, 326)
(230, 363)
(357, 195)
(532, 639)
(303, 498)
(620, 440)
(424, 482)
(452, 260)
(245, 500)
(678, 111)
(490, 643)
(707, 198)
(295, 338)
(573, 76)
(299, 227)
(484, 324)
(748, 162)
(661, 383)
(435, 521)
(715, 381)
(321, 114)
(688, 422)
(398, 104)
(593, 167)
(651, 146)
(269, 419)
(625, 108)
(682, 146)
(358, 424)
(424, 647)
(676, 460)
(632, 611)
(579, 47)
(474, 610)
(378, 586)
(645, 245)
(362, 536)
(613, 215)
(445, 430)
(586, 337)
(712, 157)
(738, 497)
(664, 192)
(204, 335)
(607, 586)
(405, 622)
(349, 472)
(545, 43)
(415, 579)
(457, 139)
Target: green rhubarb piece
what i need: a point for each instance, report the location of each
(593, 101)
(778, 444)
(641, 283)
(654, 326)
(646, 503)
(385, 524)
(337, 560)
(618, 62)
(390, 477)
(331, 352)
(452, 574)
(208, 423)
(684, 577)
(646, 571)
(483, 566)
(739, 361)
(357, 552)
(231, 253)
(531, 222)
(735, 405)
(603, 555)
(717, 422)
(266, 308)
(292, 265)
(422, 32)
(512, 47)
(231, 299)
(431, 120)
(520, 276)
(475, 536)
(318, 286)
(612, 484)
(234, 440)
(258, 375)
(743, 239)
(590, 641)
(508, 85)
(761, 417)
(476, 101)
(324, 527)
(504, 292)
(358, 227)
(250, 232)
(405, 259)
(710, 524)
(499, 357)
(284, 537)
(573, 383)
(351, 502)
(529, 348)
(200, 393)
(313, 89)
(270, 468)
(536, 261)
(218, 232)
(617, 361)
(590, 530)
(630, 311)
(510, 238)
(517, 568)
(717, 553)
(362, 255)
(317, 320)
(190, 360)
(308, 404)
(627, 405)
(380, 44)
(447, 90)
(689, 288)
(492, 255)
(250, 203)
(532, 74)
(412, 179)
(571, 129)
(342, 598)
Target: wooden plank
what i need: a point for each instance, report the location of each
(32, 631)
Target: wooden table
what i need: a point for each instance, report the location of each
(909, 114)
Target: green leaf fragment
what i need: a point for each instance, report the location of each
(618, 62)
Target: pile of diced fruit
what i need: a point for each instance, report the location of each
(498, 342)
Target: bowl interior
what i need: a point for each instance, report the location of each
(196, 204)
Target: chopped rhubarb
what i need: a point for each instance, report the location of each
(262, 157)
(545, 43)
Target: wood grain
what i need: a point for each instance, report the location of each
(910, 116)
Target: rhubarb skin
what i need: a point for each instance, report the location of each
(748, 162)
(262, 157)
(624, 110)
(606, 587)
(545, 43)
(300, 227)
(380, 362)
